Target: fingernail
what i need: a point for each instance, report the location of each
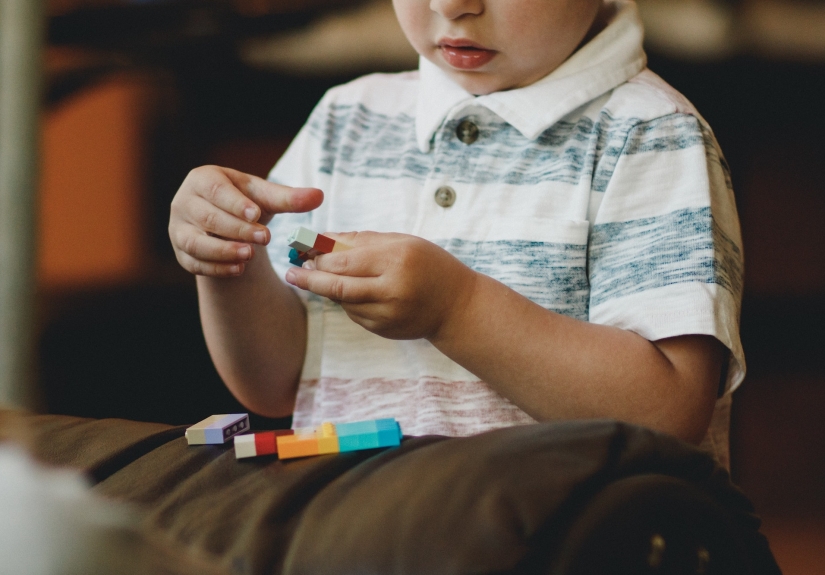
(309, 265)
(260, 236)
(290, 276)
(245, 252)
(250, 214)
(236, 269)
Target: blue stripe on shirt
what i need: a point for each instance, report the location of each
(681, 247)
(566, 152)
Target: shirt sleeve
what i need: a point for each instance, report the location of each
(665, 248)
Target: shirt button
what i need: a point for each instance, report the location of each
(467, 132)
(445, 196)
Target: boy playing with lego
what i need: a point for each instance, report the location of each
(552, 236)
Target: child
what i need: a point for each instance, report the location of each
(553, 235)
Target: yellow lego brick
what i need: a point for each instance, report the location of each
(327, 438)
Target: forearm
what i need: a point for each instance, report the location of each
(557, 367)
(255, 329)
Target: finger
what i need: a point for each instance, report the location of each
(203, 247)
(337, 288)
(209, 269)
(275, 198)
(351, 263)
(209, 218)
(218, 187)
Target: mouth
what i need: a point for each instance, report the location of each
(464, 54)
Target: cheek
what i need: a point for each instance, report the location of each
(413, 17)
(548, 37)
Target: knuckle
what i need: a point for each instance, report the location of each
(338, 289)
(190, 244)
(230, 252)
(209, 219)
(342, 262)
(213, 191)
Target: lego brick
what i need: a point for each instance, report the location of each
(245, 446)
(217, 429)
(356, 428)
(302, 444)
(324, 244)
(368, 434)
(302, 239)
(389, 434)
(358, 442)
(327, 439)
(308, 244)
(257, 444)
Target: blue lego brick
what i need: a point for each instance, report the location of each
(358, 442)
(391, 436)
(356, 428)
(368, 434)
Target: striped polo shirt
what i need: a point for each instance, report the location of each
(598, 192)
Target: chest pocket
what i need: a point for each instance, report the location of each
(543, 259)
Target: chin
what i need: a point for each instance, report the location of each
(477, 84)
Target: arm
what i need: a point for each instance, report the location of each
(550, 365)
(560, 367)
(254, 324)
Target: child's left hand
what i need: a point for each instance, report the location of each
(395, 285)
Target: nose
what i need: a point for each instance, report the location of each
(453, 9)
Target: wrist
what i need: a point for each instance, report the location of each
(459, 310)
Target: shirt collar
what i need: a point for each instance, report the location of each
(611, 58)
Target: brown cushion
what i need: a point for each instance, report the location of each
(498, 502)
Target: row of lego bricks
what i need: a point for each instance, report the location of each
(327, 438)
(307, 244)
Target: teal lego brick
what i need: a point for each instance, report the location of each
(368, 434)
(296, 261)
(356, 428)
(390, 437)
(359, 441)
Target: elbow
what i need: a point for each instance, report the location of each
(687, 419)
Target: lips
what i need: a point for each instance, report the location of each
(464, 54)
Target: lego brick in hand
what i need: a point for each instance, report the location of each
(256, 444)
(217, 429)
(308, 244)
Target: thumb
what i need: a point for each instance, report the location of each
(274, 198)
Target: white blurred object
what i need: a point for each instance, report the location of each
(361, 40)
(690, 29)
(52, 524)
(49, 522)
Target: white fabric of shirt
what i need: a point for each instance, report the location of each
(598, 192)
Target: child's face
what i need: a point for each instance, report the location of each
(492, 45)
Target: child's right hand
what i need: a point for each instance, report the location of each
(218, 214)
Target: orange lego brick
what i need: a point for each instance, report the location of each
(302, 444)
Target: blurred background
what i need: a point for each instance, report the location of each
(139, 92)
